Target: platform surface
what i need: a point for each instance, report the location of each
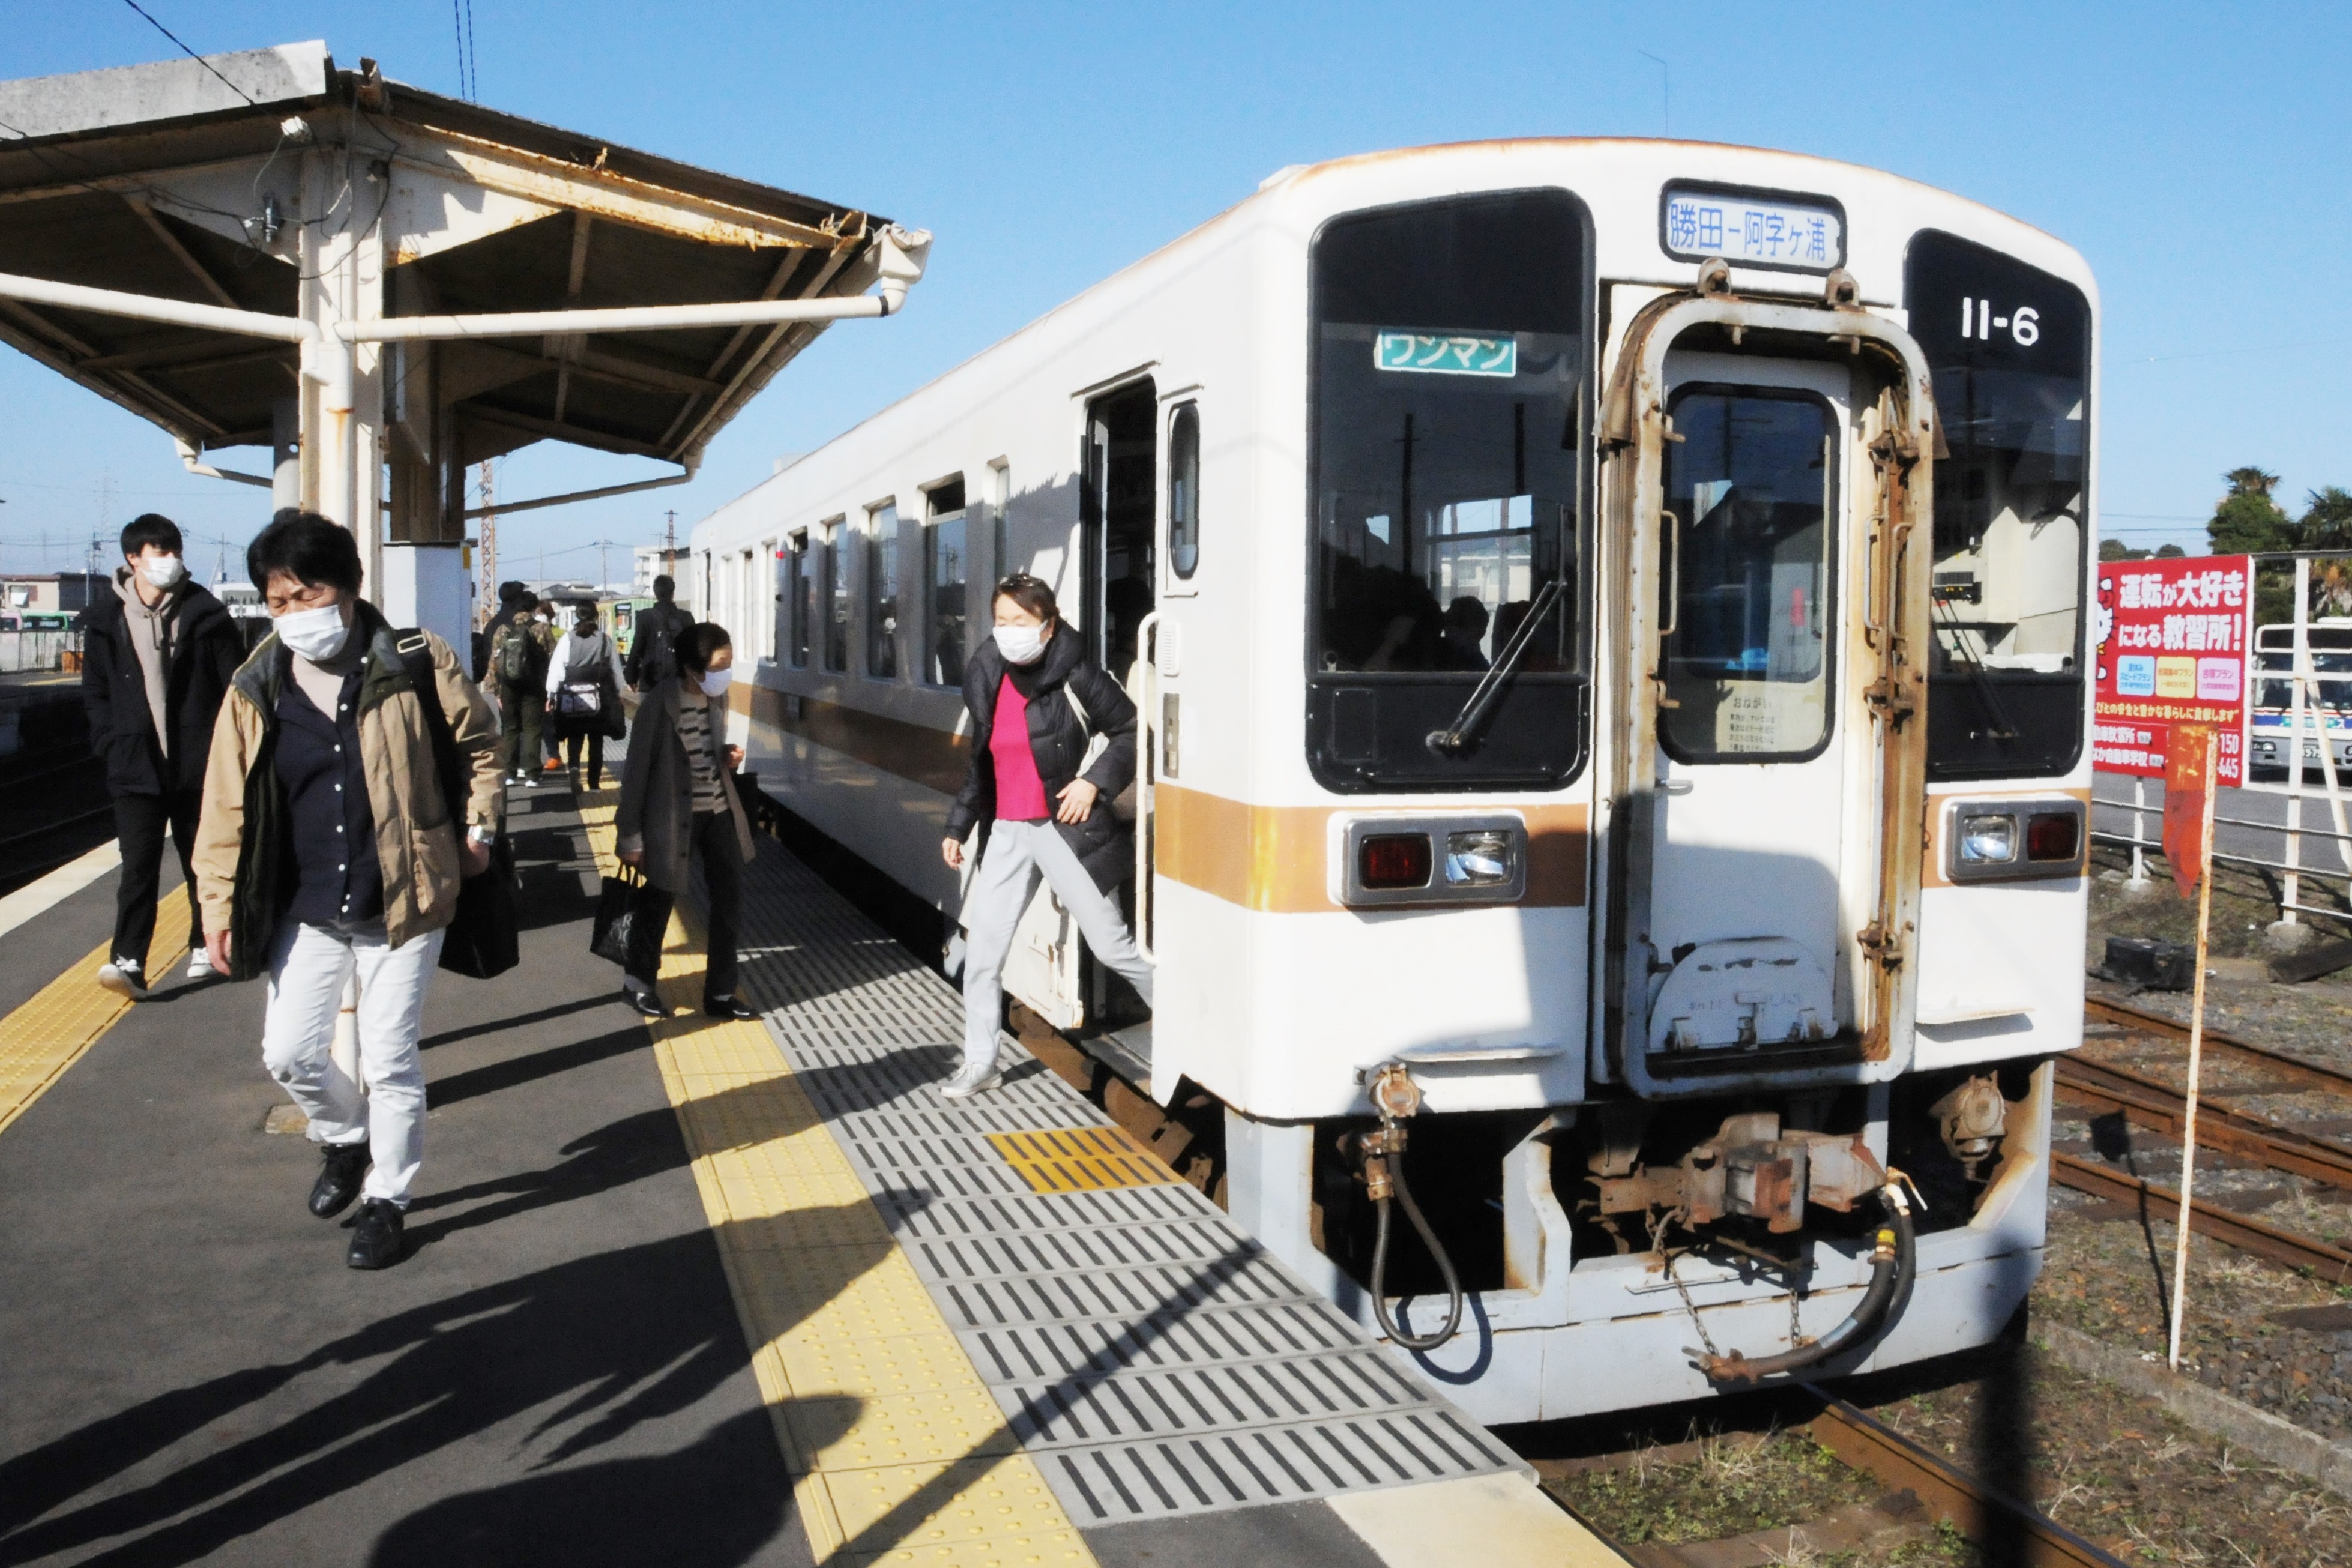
(707, 1293)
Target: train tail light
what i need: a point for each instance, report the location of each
(1393, 861)
(2053, 836)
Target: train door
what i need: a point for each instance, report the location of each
(1115, 593)
(1772, 778)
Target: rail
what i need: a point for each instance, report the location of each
(2324, 1261)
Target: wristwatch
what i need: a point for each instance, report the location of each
(485, 836)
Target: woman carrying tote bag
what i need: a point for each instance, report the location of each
(1033, 697)
(582, 690)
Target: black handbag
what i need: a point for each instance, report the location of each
(608, 938)
(483, 940)
(616, 722)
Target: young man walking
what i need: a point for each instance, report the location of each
(157, 654)
(520, 651)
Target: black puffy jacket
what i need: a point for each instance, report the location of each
(206, 651)
(1057, 740)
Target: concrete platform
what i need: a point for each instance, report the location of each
(712, 1293)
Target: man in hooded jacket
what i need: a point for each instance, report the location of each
(157, 656)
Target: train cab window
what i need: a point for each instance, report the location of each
(834, 591)
(2008, 349)
(1184, 489)
(1746, 652)
(801, 587)
(1450, 354)
(882, 591)
(944, 574)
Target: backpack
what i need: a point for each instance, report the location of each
(522, 658)
(656, 647)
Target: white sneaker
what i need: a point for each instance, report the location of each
(124, 977)
(199, 967)
(974, 1078)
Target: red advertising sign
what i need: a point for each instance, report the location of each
(2173, 638)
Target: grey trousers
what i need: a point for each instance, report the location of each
(1018, 854)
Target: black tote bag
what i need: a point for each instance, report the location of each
(608, 938)
(484, 941)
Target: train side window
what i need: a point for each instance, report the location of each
(1184, 489)
(1000, 519)
(2009, 347)
(834, 593)
(882, 591)
(800, 566)
(946, 569)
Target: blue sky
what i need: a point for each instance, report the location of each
(2194, 153)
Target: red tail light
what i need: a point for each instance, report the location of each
(1393, 861)
(2053, 836)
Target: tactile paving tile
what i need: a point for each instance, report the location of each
(1150, 1359)
(50, 1030)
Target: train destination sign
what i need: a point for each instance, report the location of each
(1761, 231)
(1452, 355)
(2173, 636)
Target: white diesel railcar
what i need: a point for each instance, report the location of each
(1609, 621)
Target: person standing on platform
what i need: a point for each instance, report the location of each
(550, 616)
(518, 657)
(510, 597)
(678, 801)
(327, 850)
(654, 640)
(584, 687)
(1034, 696)
(157, 658)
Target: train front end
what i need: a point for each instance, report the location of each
(1631, 948)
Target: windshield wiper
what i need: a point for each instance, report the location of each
(1461, 737)
(2003, 730)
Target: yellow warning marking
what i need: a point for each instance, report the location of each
(897, 1452)
(49, 1032)
(1080, 1159)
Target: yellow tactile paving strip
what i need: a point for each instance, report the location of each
(1080, 1159)
(897, 1452)
(49, 1032)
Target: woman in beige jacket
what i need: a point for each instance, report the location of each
(327, 848)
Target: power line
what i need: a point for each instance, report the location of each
(193, 55)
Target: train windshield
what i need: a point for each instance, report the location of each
(2008, 349)
(1449, 354)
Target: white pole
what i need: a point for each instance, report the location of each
(2140, 830)
(2196, 1053)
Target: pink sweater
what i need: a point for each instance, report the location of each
(1020, 792)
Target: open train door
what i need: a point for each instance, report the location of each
(1769, 511)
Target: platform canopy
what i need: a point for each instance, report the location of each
(272, 182)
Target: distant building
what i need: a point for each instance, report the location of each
(648, 567)
(54, 596)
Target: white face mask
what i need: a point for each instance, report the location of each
(316, 634)
(162, 571)
(1021, 645)
(715, 682)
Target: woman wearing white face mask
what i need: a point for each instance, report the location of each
(678, 801)
(329, 847)
(1029, 741)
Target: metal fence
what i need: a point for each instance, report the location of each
(37, 650)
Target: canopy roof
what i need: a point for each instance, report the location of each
(227, 179)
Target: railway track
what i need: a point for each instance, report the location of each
(2226, 1125)
(1943, 1493)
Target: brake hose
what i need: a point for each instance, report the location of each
(1892, 1260)
(1395, 1095)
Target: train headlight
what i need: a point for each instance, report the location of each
(1989, 839)
(1485, 858)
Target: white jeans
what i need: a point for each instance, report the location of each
(307, 966)
(1018, 854)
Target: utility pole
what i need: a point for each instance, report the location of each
(486, 602)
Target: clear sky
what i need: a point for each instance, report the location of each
(2196, 153)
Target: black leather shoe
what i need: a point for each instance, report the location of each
(339, 1178)
(377, 1241)
(645, 1001)
(728, 1007)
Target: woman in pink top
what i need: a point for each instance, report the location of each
(1036, 701)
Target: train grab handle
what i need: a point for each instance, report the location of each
(1147, 775)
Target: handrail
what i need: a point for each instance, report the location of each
(1145, 776)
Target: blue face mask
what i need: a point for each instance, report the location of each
(715, 682)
